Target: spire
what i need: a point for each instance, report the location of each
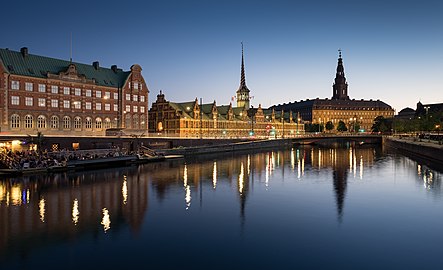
(340, 86)
(242, 76)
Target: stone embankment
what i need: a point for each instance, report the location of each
(423, 148)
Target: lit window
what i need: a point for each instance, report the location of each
(54, 103)
(77, 104)
(66, 104)
(29, 101)
(42, 102)
(128, 96)
(134, 98)
(142, 98)
(29, 121)
(128, 108)
(15, 100)
(15, 121)
(88, 123)
(98, 93)
(66, 122)
(107, 95)
(98, 123)
(54, 89)
(77, 122)
(42, 88)
(98, 106)
(77, 92)
(88, 93)
(66, 90)
(28, 86)
(107, 107)
(54, 122)
(15, 85)
(135, 86)
(115, 107)
(142, 109)
(135, 109)
(115, 95)
(88, 105)
(41, 121)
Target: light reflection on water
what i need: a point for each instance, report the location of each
(308, 190)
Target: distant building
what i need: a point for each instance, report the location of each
(406, 113)
(59, 97)
(424, 109)
(193, 119)
(340, 107)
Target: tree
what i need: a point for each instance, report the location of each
(381, 124)
(341, 126)
(329, 126)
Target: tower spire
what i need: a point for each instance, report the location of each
(243, 91)
(340, 86)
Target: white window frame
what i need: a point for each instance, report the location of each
(107, 107)
(128, 97)
(66, 90)
(15, 85)
(54, 103)
(98, 93)
(41, 102)
(66, 104)
(42, 88)
(88, 105)
(29, 86)
(29, 101)
(98, 106)
(142, 98)
(15, 100)
(77, 92)
(54, 89)
(88, 92)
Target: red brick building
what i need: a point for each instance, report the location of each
(59, 97)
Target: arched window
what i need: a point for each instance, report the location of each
(127, 121)
(142, 122)
(41, 122)
(15, 121)
(135, 122)
(88, 123)
(29, 121)
(107, 123)
(77, 122)
(54, 122)
(66, 122)
(98, 123)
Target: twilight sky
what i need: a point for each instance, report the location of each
(392, 50)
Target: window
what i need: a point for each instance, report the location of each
(15, 100)
(142, 122)
(98, 93)
(98, 106)
(128, 96)
(66, 90)
(88, 105)
(66, 122)
(15, 121)
(29, 121)
(135, 121)
(142, 98)
(88, 93)
(15, 85)
(135, 108)
(107, 123)
(77, 122)
(88, 123)
(28, 86)
(98, 123)
(54, 122)
(115, 107)
(134, 98)
(77, 104)
(54, 89)
(127, 121)
(42, 88)
(42, 102)
(135, 85)
(107, 107)
(54, 103)
(141, 86)
(41, 122)
(77, 92)
(107, 95)
(142, 109)
(29, 101)
(66, 104)
(115, 95)
(128, 108)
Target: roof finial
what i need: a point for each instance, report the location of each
(243, 78)
(339, 53)
(70, 52)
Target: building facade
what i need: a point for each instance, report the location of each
(59, 97)
(340, 107)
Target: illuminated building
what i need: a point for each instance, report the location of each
(59, 97)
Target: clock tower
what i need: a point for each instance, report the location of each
(243, 91)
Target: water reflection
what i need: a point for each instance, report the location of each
(100, 202)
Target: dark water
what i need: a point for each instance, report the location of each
(305, 208)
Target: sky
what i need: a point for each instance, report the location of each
(392, 50)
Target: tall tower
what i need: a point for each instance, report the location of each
(340, 86)
(243, 91)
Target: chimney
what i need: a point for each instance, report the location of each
(114, 68)
(96, 65)
(24, 51)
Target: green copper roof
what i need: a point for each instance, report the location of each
(38, 66)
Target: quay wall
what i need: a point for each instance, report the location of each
(422, 149)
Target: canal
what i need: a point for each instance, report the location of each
(348, 207)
